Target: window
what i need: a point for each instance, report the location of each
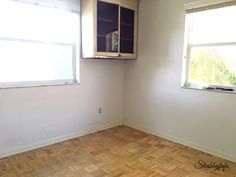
(210, 50)
(38, 45)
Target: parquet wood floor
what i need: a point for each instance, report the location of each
(115, 152)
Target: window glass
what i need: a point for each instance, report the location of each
(213, 26)
(213, 65)
(211, 48)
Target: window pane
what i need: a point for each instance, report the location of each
(24, 21)
(213, 26)
(23, 61)
(107, 27)
(213, 65)
(126, 30)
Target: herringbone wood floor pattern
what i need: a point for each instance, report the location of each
(116, 152)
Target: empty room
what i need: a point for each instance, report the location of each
(117, 88)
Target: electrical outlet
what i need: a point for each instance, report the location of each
(100, 110)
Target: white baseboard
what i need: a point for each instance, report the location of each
(28, 147)
(51, 141)
(202, 148)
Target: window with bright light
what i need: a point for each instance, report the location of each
(210, 55)
(38, 45)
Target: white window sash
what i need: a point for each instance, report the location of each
(69, 5)
(201, 5)
(187, 60)
(24, 84)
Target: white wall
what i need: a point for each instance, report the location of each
(154, 100)
(34, 117)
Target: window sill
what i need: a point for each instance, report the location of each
(197, 87)
(37, 84)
